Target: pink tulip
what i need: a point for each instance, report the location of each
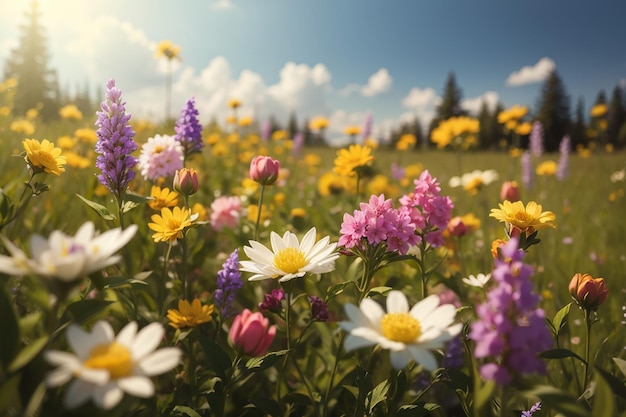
(509, 191)
(456, 227)
(251, 333)
(264, 170)
(587, 291)
(186, 181)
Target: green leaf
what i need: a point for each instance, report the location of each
(552, 397)
(268, 406)
(560, 353)
(560, 318)
(603, 400)
(264, 362)
(378, 291)
(352, 390)
(483, 395)
(83, 310)
(616, 384)
(98, 208)
(377, 395)
(117, 281)
(183, 410)
(417, 410)
(216, 358)
(36, 398)
(621, 364)
(9, 393)
(10, 329)
(28, 353)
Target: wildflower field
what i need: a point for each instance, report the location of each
(180, 270)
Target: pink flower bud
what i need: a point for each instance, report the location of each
(251, 333)
(509, 191)
(186, 181)
(456, 227)
(587, 291)
(264, 170)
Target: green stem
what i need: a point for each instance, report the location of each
(23, 202)
(358, 185)
(161, 285)
(588, 324)
(422, 265)
(258, 215)
(329, 386)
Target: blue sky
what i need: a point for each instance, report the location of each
(338, 58)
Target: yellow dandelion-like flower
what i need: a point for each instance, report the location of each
(170, 224)
(32, 113)
(372, 143)
(162, 197)
(330, 183)
(514, 113)
(219, 150)
(200, 211)
(352, 130)
(77, 161)
(453, 129)
(66, 142)
(351, 159)
(167, 49)
(318, 123)
(515, 152)
(23, 127)
(280, 135)
(190, 315)
(524, 128)
(524, 218)
(234, 103)
(44, 156)
(70, 112)
(253, 211)
(86, 135)
(546, 168)
(5, 111)
(598, 110)
(245, 121)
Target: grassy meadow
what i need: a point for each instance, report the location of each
(589, 238)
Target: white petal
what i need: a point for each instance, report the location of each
(397, 302)
(373, 311)
(424, 308)
(277, 242)
(423, 356)
(353, 342)
(139, 386)
(60, 358)
(58, 376)
(126, 336)
(399, 359)
(82, 342)
(308, 241)
(77, 393)
(439, 318)
(94, 376)
(356, 316)
(107, 396)
(147, 340)
(85, 233)
(163, 360)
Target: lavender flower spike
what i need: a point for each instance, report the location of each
(115, 143)
(228, 282)
(561, 170)
(188, 129)
(536, 139)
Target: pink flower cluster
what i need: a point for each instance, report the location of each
(225, 212)
(424, 213)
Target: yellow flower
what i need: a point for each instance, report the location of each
(524, 219)
(66, 142)
(515, 152)
(279, 135)
(298, 212)
(234, 103)
(32, 113)
(312, 160)
(219, 149)
(170, 224)
(5, 111)
(167, 49)
(372, 143)
(162, 197)
(86, 135)
(330, 183)
(77, 161)
(453, 129)
(190, 314)
(318, 123)
(44, 156)
(70, 112)
(23, 127)
(524, 128)
(546, 168)
(348, 160)
(352, 130)
(200, 210)
(514, 113)
(253, 211)
(598, 110)
(245, 121)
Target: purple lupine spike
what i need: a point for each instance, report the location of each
(188, 129)
(115, 143)
(367, 126)
(561, 170)
(536, 139)
(298, 144)
(228, 283)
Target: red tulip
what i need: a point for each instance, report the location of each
(251, 333)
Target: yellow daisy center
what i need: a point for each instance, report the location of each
(158, 149)
(114, 357)
(522, 218)
(290, 260)
(400, 327)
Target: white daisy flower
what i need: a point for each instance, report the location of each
(475, 180)
(161, 156)
(477, 281)
(407, 334)
(104, 366)
(618, 176)
(67, 257)
(289, 258)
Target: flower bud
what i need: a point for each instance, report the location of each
(264, 170)
(186, 181)
(509, 191)
(251, 333)
(587, 291)
(456, 227)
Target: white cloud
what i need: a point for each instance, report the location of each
(532, 74)
(222, 5)
(422, 103)
(473, 105)
(378, 83)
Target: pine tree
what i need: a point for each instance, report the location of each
(29, 64)
(554, 111)
(578, 134)
(450, 105)
(292, 125)
(616, 115)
